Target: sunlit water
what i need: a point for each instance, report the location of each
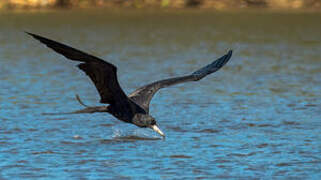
(258, 117)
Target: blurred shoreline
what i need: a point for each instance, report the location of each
(223, 5)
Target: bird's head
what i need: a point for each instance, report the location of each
(145, 120)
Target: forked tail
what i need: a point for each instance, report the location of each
(87, 109)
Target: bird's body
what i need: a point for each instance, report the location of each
(135, 107)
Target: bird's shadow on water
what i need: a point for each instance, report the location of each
(129, 138)
(113, 140)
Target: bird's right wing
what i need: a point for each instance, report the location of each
(102, 73)
(143, 95)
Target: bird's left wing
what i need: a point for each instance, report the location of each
(143, 95)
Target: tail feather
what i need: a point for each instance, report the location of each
(88, 109)
(93, 109)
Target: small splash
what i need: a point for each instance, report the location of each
(138, 134)
(116, 133)
(145, 133)
(77, 137)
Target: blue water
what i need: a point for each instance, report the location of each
(258, 117)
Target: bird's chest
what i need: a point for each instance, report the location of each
(121, 115)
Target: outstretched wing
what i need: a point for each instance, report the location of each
(142, 96)
(102, 73)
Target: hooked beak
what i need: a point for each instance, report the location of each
(155, 128)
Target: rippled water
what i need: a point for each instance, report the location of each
(258, 117)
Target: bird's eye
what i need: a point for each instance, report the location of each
(153, 122)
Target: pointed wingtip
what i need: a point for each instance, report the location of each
(230, 52)
(33, 35)
(28, 33)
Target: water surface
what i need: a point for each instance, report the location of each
(259, 116)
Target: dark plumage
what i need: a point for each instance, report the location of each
(135, 107)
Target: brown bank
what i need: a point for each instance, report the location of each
(210, 4)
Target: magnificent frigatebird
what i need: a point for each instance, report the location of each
(135, 107)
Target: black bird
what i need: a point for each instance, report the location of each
(135, 107)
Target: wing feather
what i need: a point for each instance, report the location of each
(102, 73)
(143, 95)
